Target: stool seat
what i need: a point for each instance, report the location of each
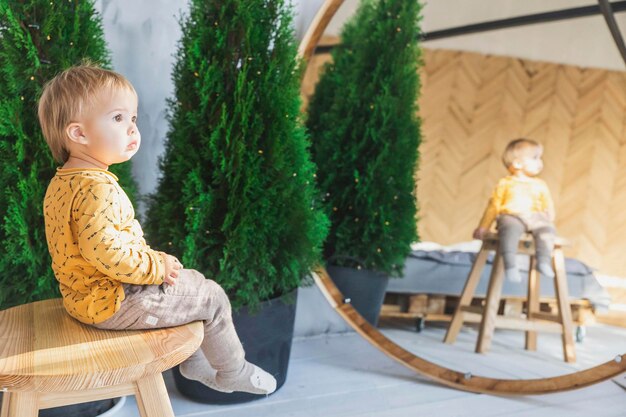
(526, 242)
(45, 350)
(535, 320)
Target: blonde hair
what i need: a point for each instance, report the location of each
(520, 147)
(69, 96)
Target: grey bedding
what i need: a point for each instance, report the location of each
(445, 272)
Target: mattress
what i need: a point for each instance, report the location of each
(432, 269)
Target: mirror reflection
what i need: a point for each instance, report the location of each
(517, 190)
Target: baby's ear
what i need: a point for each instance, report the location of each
(75, 133)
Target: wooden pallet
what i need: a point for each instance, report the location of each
(440, 308)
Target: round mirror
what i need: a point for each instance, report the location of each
(537, 334)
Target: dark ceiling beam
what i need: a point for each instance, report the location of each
(546, 17)
(531, 19)
(609, 16)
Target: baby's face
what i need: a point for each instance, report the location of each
(111, 129)
(531, 164)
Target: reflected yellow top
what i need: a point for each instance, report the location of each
(518, 195)
(95, 242)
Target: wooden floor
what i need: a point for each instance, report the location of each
(342, 375)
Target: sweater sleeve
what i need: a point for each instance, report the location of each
(546, 201)
(493, 207)
(102, 244)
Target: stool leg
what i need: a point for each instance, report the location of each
(565, 312)
(19, 404)
(466, 296)
(152, 397)
(6, 398)
(492, 303)
(533, 301)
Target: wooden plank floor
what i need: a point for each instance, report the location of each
(342, 375)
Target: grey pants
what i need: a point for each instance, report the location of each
(511, 228)
(192, 298)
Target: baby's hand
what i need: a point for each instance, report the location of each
(172, 266)
(479, 233)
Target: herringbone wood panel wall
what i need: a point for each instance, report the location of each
(473, 104)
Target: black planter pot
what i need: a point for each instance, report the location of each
(90, 409)
(266, 335)
(365, 289)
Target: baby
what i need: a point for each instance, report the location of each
(108, 276)
(521, 202)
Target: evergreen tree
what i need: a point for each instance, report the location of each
(365, 133)
(38, 39)
(237, 198)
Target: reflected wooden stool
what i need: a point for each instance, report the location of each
(535, 320)
(49, 359)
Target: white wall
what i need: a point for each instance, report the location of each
(584, 41)
(142, 37)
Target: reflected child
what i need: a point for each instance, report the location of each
(521, 202)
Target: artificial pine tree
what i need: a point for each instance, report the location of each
(38, 39)
(236, 199)
(365, 133)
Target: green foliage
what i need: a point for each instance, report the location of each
(38, 39)
(365, 133)
(237, 198)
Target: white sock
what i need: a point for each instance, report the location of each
(512, 274)
(546, 269)
(198, 368)
(250, 379)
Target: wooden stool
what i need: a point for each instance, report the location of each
(535, 320)
(49, 359)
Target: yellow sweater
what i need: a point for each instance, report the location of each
(514, 195)
(95, 242)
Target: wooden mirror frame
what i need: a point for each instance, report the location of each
(455, 379)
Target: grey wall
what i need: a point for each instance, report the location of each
(315, 316)
(142, 36)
